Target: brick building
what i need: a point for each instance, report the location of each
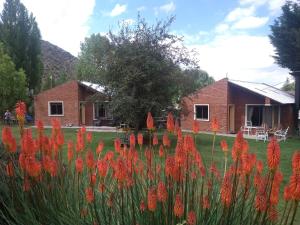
(74, 103)
(238, 103)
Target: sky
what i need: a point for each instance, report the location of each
(230, 37)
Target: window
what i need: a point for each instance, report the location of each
(202, 112)
(55, 109)
(99, 110)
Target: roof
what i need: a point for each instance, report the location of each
(95, 87)
(266, 90)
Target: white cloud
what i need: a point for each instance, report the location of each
(250, 22)
(221, 28)
(239, 13)
(62, 22)
(1, 5)
(167, 8)
(141, 8)
(128, 22)
(273, 5)
(118, 10)
(243, 57)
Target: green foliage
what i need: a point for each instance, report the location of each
(92, 64)
(13, 83)
(20, 35)
(288, 86)
(285, 37)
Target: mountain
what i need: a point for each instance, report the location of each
(57, 62)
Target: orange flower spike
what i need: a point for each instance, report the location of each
(89, 195)
(150, 122)
(102, 166)
(170, 122)
(79, 165)
(140, 139)
(226, 189)
(224, 146)
(259, 166)
(178, 206)
(90, 161)
(196, 127)
(132, 140)
(152, 199)
(162, 193)
(100, 147)
(89, 137)
(176, 128)
(21, 110)
(215, 125)
(261, 202)
(296, 162)
(117, 144)
(191, 218)
(40, 126)
(10, 169)
(287, 194)
(166, 140)
(273, 154)
(60, 138)
(70, 151)
(155, 139)
(93, 179)
(161, 151)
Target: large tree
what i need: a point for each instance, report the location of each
(286, 39)
(13, 83)
(139, 66)
(20, 35)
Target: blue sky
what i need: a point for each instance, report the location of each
(230, 37)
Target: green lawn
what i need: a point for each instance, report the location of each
(204, 143)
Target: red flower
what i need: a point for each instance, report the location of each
(296, 162)
(117, 144)
(60, 138)
(20, 110)
(178, 206)
(161, 192)
(224, 145)
(89, 137)
(191, 218)
(214, 125)
(93, 179)
(166, 140)
(90, 161)
(170, 122)
(240, 146)
(155, 139)
(89, 195)
(226, 189)
(261, 202)
(287, 194)
(150, 123)
(102, 166)
(161, 151)
(259, 166)
(132, 140)
(152, 198)
(40, 125)
(196, 126)
(10, 169)
(140, 139)
(142, 206)
(100, 147)
(273, 154)
(79, 165)
(70, 151)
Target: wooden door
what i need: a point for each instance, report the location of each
(82, 113)
(231, 116)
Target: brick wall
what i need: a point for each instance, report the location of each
(216, 96)
(68, 94)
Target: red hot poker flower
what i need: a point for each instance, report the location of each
(89, 137)
(90, 161)
(155, 139)
(100, 147)
(214, 125)
(152, 198)
(150, 123)
(10, 169)
(117, 144)
(161, 192)
(196, 126)
(89, 195)
(20, 109)
(140, 139)
(296, 162)
(166, 140)
(132, 140)
(170, 122)
(273, 154)
(224, 146)
(191, 218)
(79, 165)
(178, 206)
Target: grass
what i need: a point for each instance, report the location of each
(204, 142)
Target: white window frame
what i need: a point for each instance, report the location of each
(195, 105)
(49, 108)
(94, 116)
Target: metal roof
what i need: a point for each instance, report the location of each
(93, 86)
(266, 90)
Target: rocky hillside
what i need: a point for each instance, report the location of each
(57, 62)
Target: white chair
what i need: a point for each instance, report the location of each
(247, 129)
(281, 134)
(261, 134)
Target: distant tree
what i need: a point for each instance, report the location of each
(288, 86)
(48, 82)
(20, 35)
(13, 83)
(141, 72)
(92, 63)
(286, 39)
(192, 80)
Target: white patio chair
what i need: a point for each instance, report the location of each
(247, 129)
(261, 134)
(281, 134)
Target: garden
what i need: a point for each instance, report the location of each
(167, 177)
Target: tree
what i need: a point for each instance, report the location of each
(92, 63)
(192, 80)
(288, 86)
(286, 39)
(13, 82)
(139, 68)
(20, 35)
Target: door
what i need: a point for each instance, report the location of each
(231, 116)
(82, 113)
